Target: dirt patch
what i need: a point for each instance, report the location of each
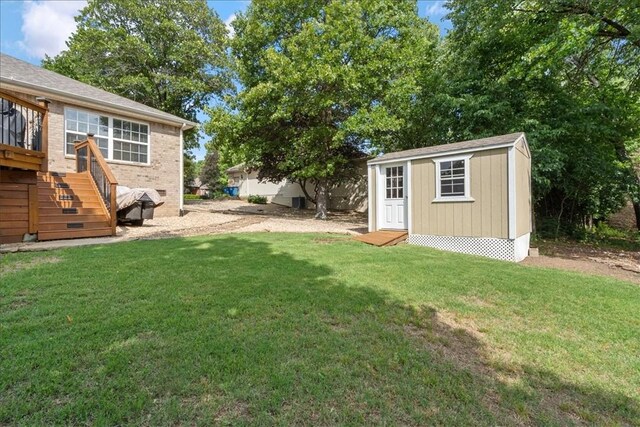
(583, 266)
(476, 301)
(7, 268)
(229, 216)
(619, 264)
(241, 207)
(21, 299)
(229, 226)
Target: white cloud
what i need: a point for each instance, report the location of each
(437, 9)
(228, 23)
(46, 25)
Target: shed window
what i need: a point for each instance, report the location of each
(118, 139)
(452, 179)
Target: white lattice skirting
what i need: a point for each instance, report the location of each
(504, 249)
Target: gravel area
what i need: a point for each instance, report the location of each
(212, 217)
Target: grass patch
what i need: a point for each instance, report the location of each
(310, 329)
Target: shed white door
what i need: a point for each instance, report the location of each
(394, 196)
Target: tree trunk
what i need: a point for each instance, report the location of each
(303, 187)
(636, 209)
(322, 198)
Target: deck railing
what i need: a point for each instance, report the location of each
(89, 158)
(23, 130)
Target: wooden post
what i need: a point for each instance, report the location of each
(90, 139)
(112, 206)
(33, 208)
(44, 133)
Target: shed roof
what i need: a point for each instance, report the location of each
(23, 74)
(443, 149)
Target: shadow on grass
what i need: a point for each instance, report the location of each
(245, 331)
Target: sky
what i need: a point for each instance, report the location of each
(29, 30)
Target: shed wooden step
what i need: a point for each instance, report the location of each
(383, 237)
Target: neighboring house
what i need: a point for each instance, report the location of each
(139, 146)
(472, 197)
(197, 188)
(346, 197)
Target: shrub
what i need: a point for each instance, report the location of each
(260, 200)
(192, 197)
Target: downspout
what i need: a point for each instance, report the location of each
(181, 191)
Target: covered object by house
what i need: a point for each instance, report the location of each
(471, 197)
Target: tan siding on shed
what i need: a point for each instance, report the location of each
(486, 216)
(523, 190)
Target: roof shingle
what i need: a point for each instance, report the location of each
(21, 73)
(446, 148)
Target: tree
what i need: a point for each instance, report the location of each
(566, 72)
(170, 54)
(210, 172)
(322, 83)
(190, 172)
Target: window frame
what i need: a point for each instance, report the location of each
(467, 180)
(110, 137)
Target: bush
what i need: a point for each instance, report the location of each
(192, 197)
(260, 200)
(601, 234)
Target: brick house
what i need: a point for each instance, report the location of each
(139, 145)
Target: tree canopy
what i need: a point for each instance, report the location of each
(168, 54)
(322, 83)
(565, 72)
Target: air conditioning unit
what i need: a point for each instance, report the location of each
(298, 202)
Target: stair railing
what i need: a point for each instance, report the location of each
(89, 158)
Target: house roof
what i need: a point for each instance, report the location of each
(237, 168)
(19, 73)
(444, 149)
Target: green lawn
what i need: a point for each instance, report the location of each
(310, 329)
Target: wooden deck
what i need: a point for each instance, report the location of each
(383, 237)
(21, 158)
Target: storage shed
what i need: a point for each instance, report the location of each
(472, 197)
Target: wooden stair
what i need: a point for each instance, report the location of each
(383, 237)
(69, 207)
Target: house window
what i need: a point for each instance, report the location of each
(118, 139)
(130, 141)
(452, 179)
(79, 123)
